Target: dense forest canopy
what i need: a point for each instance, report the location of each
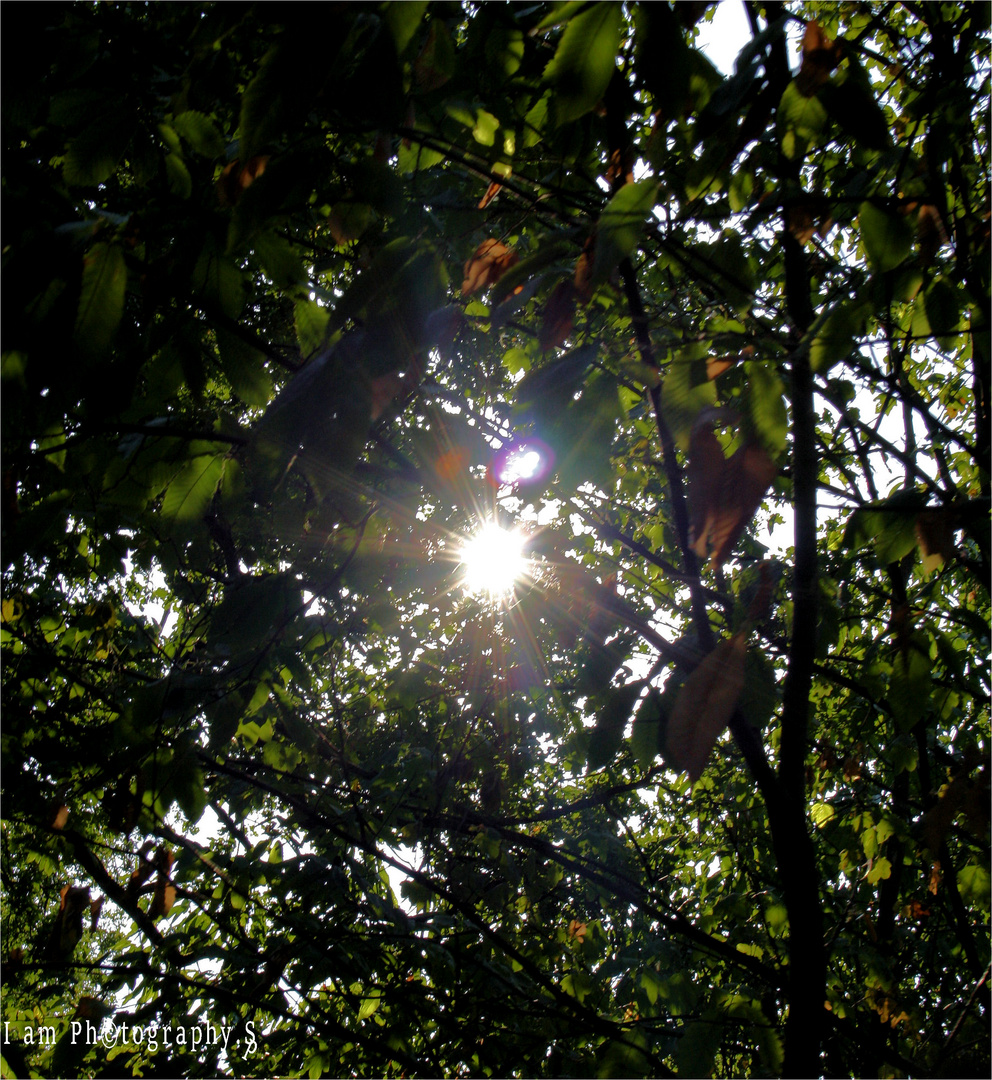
(495, 540)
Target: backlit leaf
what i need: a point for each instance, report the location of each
(820, 57)
(704, 706)
(189, 495)
(621, 225)
(767, 406)
(835, 339)
(724, 493)
(584, 60)
(559, 313)
(200, 132)
(887, 237)
(489, 263)
(101, 299)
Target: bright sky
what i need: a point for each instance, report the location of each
(723, 38)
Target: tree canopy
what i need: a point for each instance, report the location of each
(301, 299)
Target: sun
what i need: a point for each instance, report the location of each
(493, 560)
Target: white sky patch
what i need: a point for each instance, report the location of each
(723, 38)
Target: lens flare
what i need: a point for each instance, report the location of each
(523, 462)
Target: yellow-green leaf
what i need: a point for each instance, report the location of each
(101, 299)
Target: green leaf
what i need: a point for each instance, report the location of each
(607, 735)
(733, 272)
(485, 128)
(887, 237)
(560, 13)
(93, 155)
(245, 369)
(697, 1046)
(684, 394)
(189, 790)
(270, 99)
(881, 869)
(369, 1007)
(647, 731)
(835, 337)
(178, 177)
(516, 360)
(974, 882)
(200, 132)
(943, 312)
(621, 225)
(584, 432)
(188, 497)
(552, 387)
(101, 298)
(417, 157)
(218, 279)
(311, 321)
(403, 17)
(800, 121)
(759, 698)
(851, 103)
(910, 684)
(584, 60)
(435, 63)
(767, 405)
(279, 259)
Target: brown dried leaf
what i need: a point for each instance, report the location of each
(583, 270)
(142, 872)
(706, 465)
(820, 57)
(164, 898)
(381, 149)
(723, 493)
(60, 818)
(621, 165)
(704, 706)
(410, 121)
(559, 314)
(489, 263)
(930, 233)
(491, 192)
(935, 534)
(96, 906)
(800, 221)
(717, 365)
(163, 860)
(236, 177)
(68, 928)
(384, 389)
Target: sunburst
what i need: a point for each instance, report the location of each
(493, 561)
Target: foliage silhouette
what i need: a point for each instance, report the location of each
(369, 822)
